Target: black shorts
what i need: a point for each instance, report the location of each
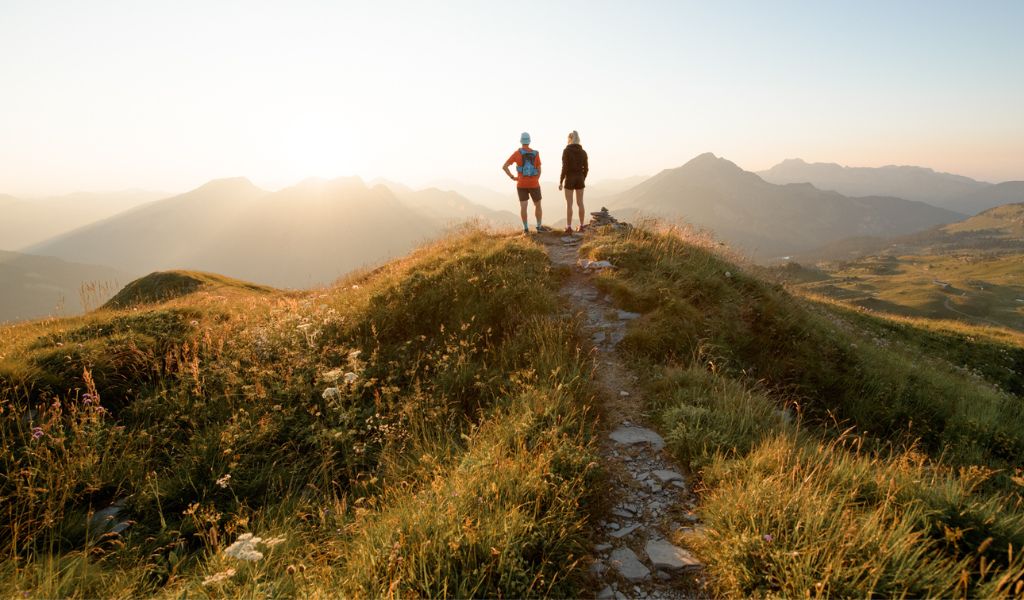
(525, 193)
(574, 182)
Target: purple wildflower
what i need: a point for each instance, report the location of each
(37, 432)
(768, 537)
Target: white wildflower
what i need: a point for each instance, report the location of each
(304, 326)
(728, 274)
(219, 577)
(244, 548)
(224, 480)
(332, 394)
(351, 377)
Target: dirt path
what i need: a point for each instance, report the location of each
(634, 555)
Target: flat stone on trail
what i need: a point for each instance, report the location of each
(607, 593)
(625, 315)
(628, 565)
(625, 531)
(628, 436)
(666, 476)
(665, 555)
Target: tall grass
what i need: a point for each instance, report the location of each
(321, 422)
(829, 465)
(700, 304)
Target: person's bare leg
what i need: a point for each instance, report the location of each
(579, 202)
(537, 212)
(522, 212)
(568, 208)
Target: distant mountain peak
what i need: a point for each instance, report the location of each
(233, 184)
(708, 160)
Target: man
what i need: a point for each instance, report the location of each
(527, 178)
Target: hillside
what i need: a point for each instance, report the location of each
(997, 230)
(972, 271)
(163, 286)
(39, 286)
(1005, 222)
(770, 220)
(300, 236)
(945, 190)
(30, 221)
(344, 441)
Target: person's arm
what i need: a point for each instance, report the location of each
(586, 164)
(507, 172)
(561, 178)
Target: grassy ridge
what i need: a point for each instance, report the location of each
(921, 496)
(356, 430)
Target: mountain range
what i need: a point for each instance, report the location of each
(300, 236)
(765, 219)
(945, 190)
(30, 221)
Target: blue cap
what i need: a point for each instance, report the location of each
(525, 138)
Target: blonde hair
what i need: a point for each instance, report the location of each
(574, 137)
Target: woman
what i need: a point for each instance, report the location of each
(574, 174)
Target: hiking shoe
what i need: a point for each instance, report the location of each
(542, 228)
(581, 228)
(568, 230)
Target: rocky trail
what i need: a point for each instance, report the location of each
(638, 547)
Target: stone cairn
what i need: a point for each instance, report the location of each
(604, 218)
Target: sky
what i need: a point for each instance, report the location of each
(106, 95)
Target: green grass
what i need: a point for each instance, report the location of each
(361, 423)
(983, 288)
(829, 464)
(167, 285)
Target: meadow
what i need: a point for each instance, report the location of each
(971, 286)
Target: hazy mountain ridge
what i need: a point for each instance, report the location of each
(30, 221)
(303, 235)
(766, 219)
(39, 286)
(945, 190)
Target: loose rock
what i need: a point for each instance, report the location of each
(666, 476)
(628, 565)
(665, 555)
(621, 533)
(628, 436)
